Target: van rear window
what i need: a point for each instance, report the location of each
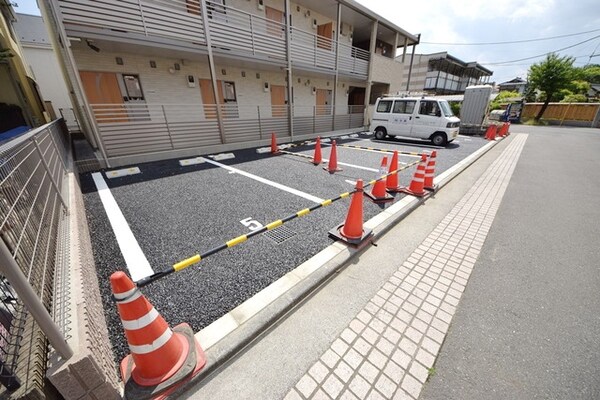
(384, 106)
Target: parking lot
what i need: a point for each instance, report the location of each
(176, 211)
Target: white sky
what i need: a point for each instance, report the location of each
(475, 21)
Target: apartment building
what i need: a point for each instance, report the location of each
(157, 79)
(443, 74)
(21, 105)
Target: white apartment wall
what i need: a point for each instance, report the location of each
(388, 70)
(160, 87)
(47, 74)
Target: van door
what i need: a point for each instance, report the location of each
(381, 115)
(402, 118)
(427, 119)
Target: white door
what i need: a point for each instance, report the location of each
(427, 119)
(402, 118)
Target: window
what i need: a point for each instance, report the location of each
(404, 106)
(384, 106)
(132, 87)
(229, 92)
(429, 107)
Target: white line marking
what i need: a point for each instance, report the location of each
(354, 166)
(268, 182)
(351, 182)
(136, 261)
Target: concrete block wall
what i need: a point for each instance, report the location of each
(92, 371)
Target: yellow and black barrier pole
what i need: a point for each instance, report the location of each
(183, 264)
(408, 153)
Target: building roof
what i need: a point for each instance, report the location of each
(515, 81)
(456, 60)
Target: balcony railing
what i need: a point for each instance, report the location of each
(231, 30)
(141, 128)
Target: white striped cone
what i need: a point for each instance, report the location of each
(417, 185)
(430, 171)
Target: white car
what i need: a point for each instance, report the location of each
(415, 118)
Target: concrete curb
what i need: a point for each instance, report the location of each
(231, 333)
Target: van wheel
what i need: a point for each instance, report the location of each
(380, 133)
(438, 139)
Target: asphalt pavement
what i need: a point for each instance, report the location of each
(175, 212)
(528, 325)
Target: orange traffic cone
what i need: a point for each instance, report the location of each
(352, 230)
(332, 164)
(274, 148)
(430, 172)
(503, 130)
(416, 187)
(161, 359)
(490, 134)
(391, 182)
(317, 157)
(378, 193)
(507, 128)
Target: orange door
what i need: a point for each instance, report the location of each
(274, 28)
(323, 106)
(325, 33)
(102, 90)
(208, 97)
(278, 108)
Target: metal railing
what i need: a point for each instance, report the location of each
(32, 207)
(141, 128)
(231, 30)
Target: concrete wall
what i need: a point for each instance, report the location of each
(388, 70)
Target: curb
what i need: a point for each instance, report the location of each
(231, 333)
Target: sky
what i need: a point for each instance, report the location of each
(485, 21)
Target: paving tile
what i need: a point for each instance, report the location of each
(368, 371)
(329, 358)
(430, 345)
(407, 346)
(435, 335)
(348, 335)
(425, 358)
(333, 386)
(347, 395)
(306, 385)
(353, 358)
(386, 386)
(393, 371)
(339, 347)
(343, 371)
(401, 358)
(362, 346)
(385, 346)
(377, 358)
(375, 395)
(320, 395)
(392, 335)
(318, 371)
(357, 326)
(370, 335)
(359, 386)
(292, 395)
(418, 371)
(411, 385)
(413, 334)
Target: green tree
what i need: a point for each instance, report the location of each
(551, 76)
(589, 73)
(504, 97)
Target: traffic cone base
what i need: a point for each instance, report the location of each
(378, 194)
(338, 234)
(331, 171)
(191, 363)
(417, 194)
(431, 188)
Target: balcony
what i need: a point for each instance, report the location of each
(232, 31)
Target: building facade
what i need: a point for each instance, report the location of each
(158, 79)
(443, 74)
(44, 68)
(20, 102)
(514, 85)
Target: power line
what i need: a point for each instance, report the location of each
(511, 42)
(500, 63)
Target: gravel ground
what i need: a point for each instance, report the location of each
(176, 212)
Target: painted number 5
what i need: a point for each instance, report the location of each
(251, 224)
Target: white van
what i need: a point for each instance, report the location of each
(415, 118)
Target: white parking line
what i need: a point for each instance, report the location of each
(136, 261)
(267, 182)
(354, 166)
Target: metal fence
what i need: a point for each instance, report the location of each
(33, 189)
(128, 129)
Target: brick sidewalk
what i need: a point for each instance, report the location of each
(387, 350)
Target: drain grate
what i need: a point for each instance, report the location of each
(280, 234)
